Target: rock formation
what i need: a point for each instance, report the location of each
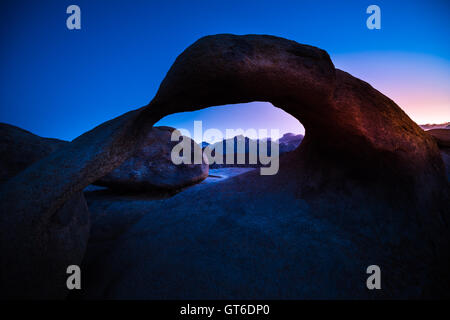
(151, 166)
(58, 241)
(442, 137)
(20, 148)
(364, 169)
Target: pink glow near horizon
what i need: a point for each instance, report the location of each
(419, 84)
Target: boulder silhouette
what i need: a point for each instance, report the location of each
(151, 167)
(21, 148)
(364, 169)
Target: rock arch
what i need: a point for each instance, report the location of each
(340, 113)
(353, 132)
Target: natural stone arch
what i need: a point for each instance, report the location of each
(352, 131)
(342, 115)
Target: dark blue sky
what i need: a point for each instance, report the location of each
(61, 83)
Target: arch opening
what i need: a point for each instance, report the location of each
(239, 135)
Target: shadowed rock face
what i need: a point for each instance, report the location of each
(20, 148)
(151, 166)
(64, 234)
(35, 250)
(363, 167)
(442, 137)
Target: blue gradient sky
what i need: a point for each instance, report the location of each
(61, 83)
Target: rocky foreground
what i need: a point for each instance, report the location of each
(366, 186)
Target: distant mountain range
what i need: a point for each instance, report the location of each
(287, 143)
(244, 145)
(445, 125)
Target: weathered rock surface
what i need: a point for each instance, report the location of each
(151, 166)
(366, 186)
(446, 158)
(20, 148)
(63, 236)
(442, 137)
